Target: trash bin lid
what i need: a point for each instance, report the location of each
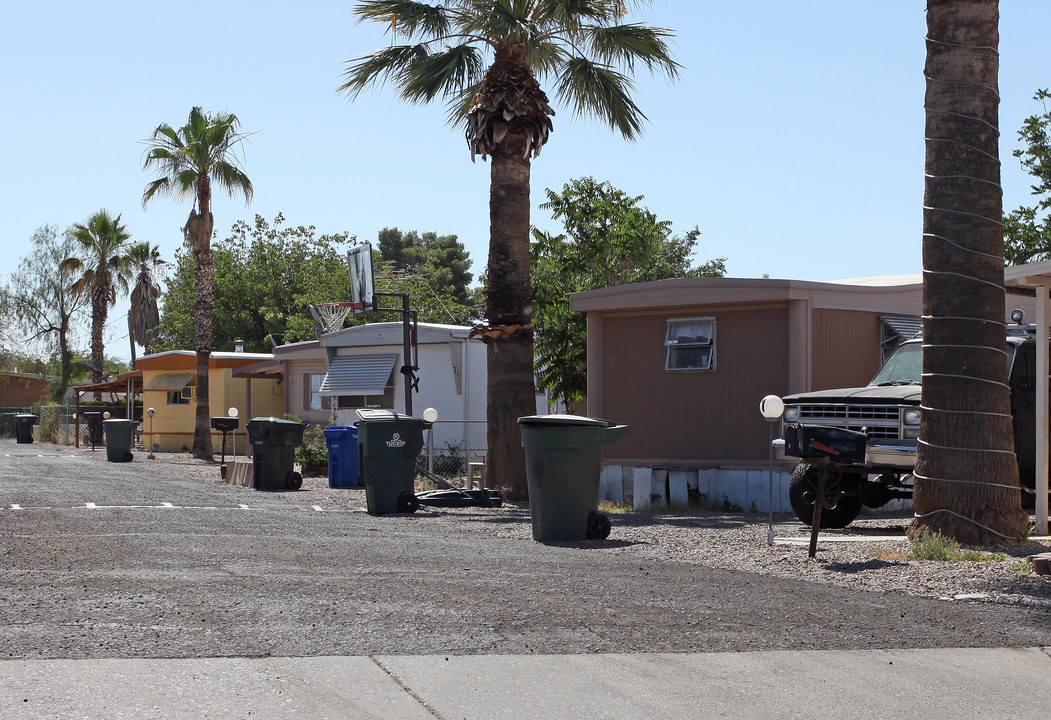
(385, 416)
(564, 420)
(274, 421)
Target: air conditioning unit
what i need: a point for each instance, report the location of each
(189, 392)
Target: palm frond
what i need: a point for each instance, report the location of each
(443, 73)
(624, 45)
(407, 17)
(229, 177)
(376, 67)
(461, 102)
(568, 15)
(593, 89)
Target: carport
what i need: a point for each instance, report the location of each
(1037, 277)
(128, 384)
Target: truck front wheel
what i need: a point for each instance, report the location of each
(842, 502)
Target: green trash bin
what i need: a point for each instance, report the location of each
(563, 466)
(274, 442)
(119, 434)
(389, 445)
(24, 428)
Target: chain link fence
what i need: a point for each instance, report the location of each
(57, 423)
(450, 445)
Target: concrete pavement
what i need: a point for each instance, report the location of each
(943, 684)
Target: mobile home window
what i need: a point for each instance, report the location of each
(315, 400)
(691, 344)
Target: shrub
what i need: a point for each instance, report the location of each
(312, 455)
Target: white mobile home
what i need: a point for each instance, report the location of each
(364, 364)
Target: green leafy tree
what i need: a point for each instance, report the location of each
(265, 276)
(610, 240)
(188, 160)
(485, 59)
(102, 262)
(441, 260)
(1027, 230)
(39, 301)
(966, 472)
(144, 316)
(432, 269)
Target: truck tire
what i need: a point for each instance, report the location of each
(841, 490)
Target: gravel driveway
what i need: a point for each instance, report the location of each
(158, 558)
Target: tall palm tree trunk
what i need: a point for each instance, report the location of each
(509, 365)
(99, 312)
(199, 233)
(966, 471)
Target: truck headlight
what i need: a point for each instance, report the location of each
(910, 419)
(791, 414)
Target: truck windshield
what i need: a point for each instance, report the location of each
(904, 367)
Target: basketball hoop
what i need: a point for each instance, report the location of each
(333, 315)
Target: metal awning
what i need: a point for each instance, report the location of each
(358, 375)
(169, 381)
(907, 327)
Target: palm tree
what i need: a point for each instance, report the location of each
(587, 53)
(103, 265)
(143, 316)
(966, 472)
(187, 161)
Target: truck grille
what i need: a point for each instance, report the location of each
(880, 422)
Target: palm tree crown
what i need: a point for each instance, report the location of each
(143, 317)
(188, 159)
(103, 264)
(581, 45)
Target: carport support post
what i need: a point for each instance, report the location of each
(1041, 409)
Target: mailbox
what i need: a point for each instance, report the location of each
(821, 441)
(225, 424)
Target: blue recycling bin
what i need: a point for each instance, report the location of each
(343, 467)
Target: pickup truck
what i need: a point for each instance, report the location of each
(888, 411)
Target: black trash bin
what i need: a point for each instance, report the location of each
(563, 466)
(24, 428)
(389, 443)
(94, 420)
(274, 442)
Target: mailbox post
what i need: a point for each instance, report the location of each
(821, 444)
(224, 425)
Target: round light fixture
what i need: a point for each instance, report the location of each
(771, 407)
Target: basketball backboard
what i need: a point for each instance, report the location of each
(362, 282)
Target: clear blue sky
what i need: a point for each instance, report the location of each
(794, 139)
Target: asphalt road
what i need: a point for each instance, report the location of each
(147, 560)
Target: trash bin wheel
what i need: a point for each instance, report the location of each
(128, 457)
(408, 502)
(294, 480)
(598, 526)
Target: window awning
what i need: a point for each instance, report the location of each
(169, 381)
(907, 327)
(358, 375)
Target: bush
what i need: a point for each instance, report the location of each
(312, 455)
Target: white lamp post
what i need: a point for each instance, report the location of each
(771, 408)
